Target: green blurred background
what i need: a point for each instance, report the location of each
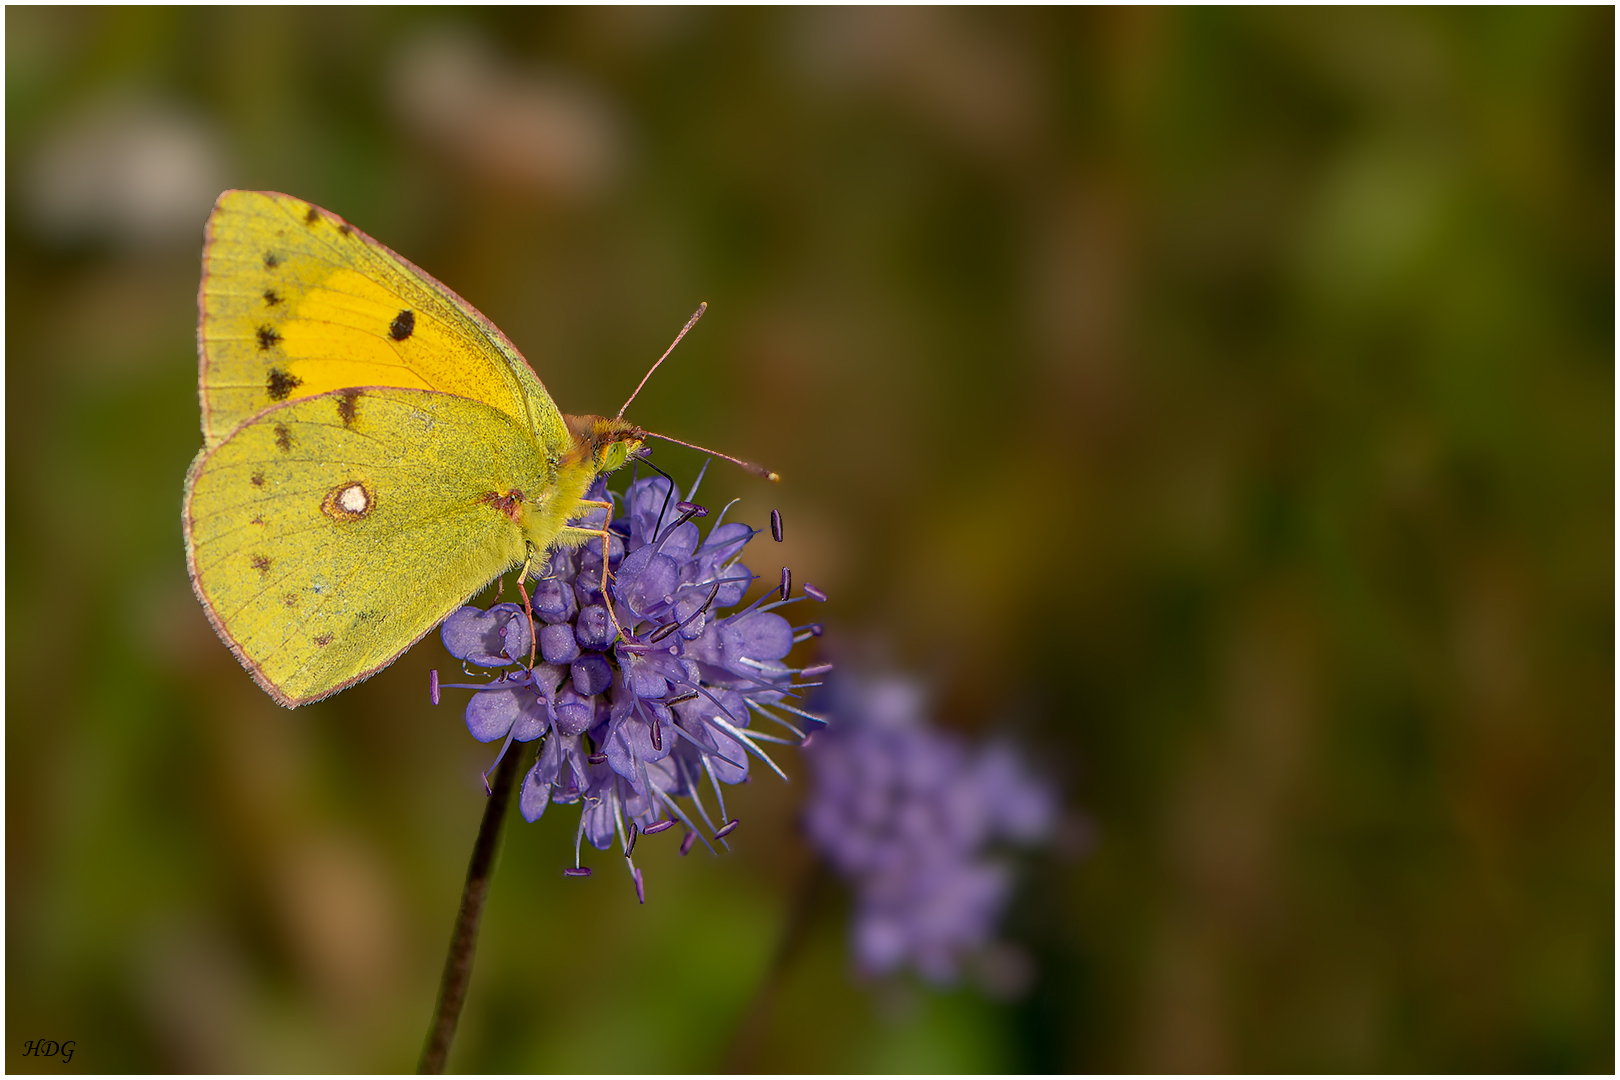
(1222, 400)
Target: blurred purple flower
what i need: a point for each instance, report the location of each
(633, 723)
(906, 812)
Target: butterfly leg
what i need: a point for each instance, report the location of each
(575, 534)
(528, 608)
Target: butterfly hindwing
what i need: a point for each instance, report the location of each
(295, 302)
(328, 534)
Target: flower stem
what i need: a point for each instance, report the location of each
(464, 938)
(749, 1039)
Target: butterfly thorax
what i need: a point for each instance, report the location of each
(599, 445)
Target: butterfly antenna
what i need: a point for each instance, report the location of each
(746, 466)
(696, 315)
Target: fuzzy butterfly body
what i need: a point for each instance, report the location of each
(375, 450)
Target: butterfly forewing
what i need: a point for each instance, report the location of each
(295, 302)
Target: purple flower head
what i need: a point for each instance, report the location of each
(907, 812)
(647, 702)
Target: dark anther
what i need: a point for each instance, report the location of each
(664, 631)
(714, 591)
(776, 525)
(686, 844)
(787, 582)
(659, 826)
(576, 871)
(596, 759)
(433, 685)
(635, 833)
(674, 701)
(688, 512)
(657, 734)
(728, 828)
(814, 593)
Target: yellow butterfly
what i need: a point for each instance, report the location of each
(375, 450)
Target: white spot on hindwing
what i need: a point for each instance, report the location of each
(349, 501)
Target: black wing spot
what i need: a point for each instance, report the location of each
(346, 407)
(323, 640)
(403, 324)
(312, 217)
(281, 384)
(261, 563)
(268, 337)
(345, 228)
(271, 298)
(271, 261)
(284, 438)
(258, 480)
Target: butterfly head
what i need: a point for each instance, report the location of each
(609, 442)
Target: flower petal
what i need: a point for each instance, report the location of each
(491, 713)
(591, 674)
(534, 795)
(558, 643)
(493, 638)
(593, 628)
(553, 600)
